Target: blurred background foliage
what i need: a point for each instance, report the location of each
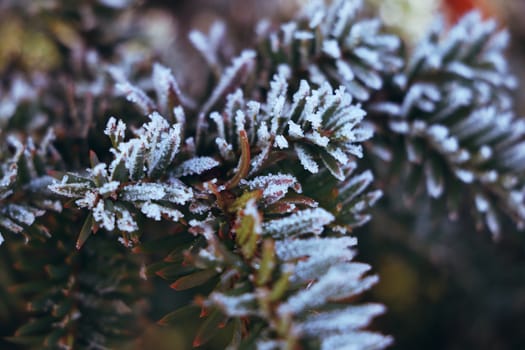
(445, 287)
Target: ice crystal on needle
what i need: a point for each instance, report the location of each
(128, 179)
(457, 100)
(323, 125)
(335, 43)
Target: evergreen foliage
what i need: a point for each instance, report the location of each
(248, 196)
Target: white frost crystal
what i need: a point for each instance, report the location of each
(196, 166)
(301, 222)
(103, 216)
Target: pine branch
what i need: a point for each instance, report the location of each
(87, 299)
(254, 182)
(115, 193)
(333, 43)
(238, 218)
(23, 186)
(455, 120)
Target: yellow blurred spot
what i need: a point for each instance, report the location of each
(26, 46)
(399, 283)
(12, 35)
(39, 52)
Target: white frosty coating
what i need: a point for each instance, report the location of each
(493, 223)
(370, 78)
(322, 255)
(303, 35)
(108, 188)
(277, 108)
(10, 176)
(116, 163)
(301, 222)
(200, 42)
(115, 3)
(135, 151)
(300, 96)
(258, 160)
(485, 152)
(219, 121)
(146, 191)
(331, 48)
(478, 121)
(401, 127)
(196, 166)
(115, 129)
(99, 170)
(136, 95)
(177, 192)
(317, 139)
(155, 127)
(348, 134)
(236, 306)
(347, 114)
(281, 142)
(464, 175)
(240, 120)
(341, 281)
(355, 341)
(270, 344)
(225, 149)
(253, 108)
(17, 145)
(23, 214)
(489, 176)
(306, 159)
(51, 205)
(233, 101)
(275, 99)
(460, 69)
(337, 16)
(19, 91)
(434, 180)
(482, 204)
(208, 45)
(310, 108)
(288, 30)
(88, 201)
(10, 225)
(164, 82)
(338, 155)
(289, 249)
(125, 221)
(345, 70)
(125, 242)
(179, 114)
(165, 143)
(165, 151)
(274, 187)
(513, 155)
(239, 65)
(317, 265)
(205, 228)
(251, 210)
(104, 217)
(155, 211)
(342, 320)
(295, 130)
(371, 57)
(71, 190)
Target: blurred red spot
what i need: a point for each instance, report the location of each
(456, 9)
